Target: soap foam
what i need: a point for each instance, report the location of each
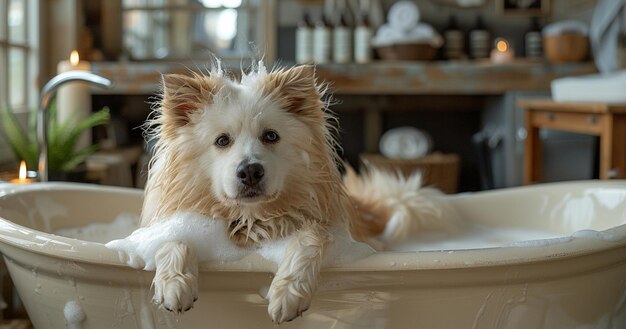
(474, 236)
(342, 249)
(74, 315)
(103, 232)
(592, 234)
(206, 235)
(210, 240)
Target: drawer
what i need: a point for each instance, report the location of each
(586, 123)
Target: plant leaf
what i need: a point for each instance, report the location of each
(79, 157)
(18, 140)
(64, 137)
(95, 119)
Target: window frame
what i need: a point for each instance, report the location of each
(29, 48)
(264, 28)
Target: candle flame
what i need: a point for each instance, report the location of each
(74, 58)
(502, 46)
(22, 173)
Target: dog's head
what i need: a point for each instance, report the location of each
(250, 140)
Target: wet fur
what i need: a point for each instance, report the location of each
(310, 197)
(302, 198)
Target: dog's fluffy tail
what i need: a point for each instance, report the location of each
(393, 207)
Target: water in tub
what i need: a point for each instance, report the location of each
(138, 246)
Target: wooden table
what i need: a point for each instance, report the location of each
(607, 121)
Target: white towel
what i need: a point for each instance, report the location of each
(425, 33)
(606, 23)
(386, 36)
(403, 15)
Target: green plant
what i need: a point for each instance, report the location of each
(62, 137)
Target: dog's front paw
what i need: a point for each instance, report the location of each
(176, 279)
(288, 299)
(175, 293)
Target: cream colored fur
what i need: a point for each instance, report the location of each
(403, 206)
(302, 193)
(176, 279)
(300, 196)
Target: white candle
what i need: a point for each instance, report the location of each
(73, 99)
(503, 52)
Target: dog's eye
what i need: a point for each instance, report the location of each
(270, 137)
(222, 141)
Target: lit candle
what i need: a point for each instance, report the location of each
(73, 101)
(503, 52)
(22, 176)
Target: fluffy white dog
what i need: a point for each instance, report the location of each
(259, 153)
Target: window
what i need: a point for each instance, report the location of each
(192, 29)
(18, 59)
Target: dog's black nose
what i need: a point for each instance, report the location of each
(250, 174)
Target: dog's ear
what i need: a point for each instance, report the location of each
(296, 90)
(185, 94)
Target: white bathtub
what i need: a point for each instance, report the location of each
(576, 282)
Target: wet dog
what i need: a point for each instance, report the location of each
(259, 153)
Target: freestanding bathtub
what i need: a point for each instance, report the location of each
(578, 281)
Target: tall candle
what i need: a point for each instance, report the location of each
(73, 100)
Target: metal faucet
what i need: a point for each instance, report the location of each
(42, 115)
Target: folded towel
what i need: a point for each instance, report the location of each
(387, 36)
(422, 33)
(403, 15)
(606, 24)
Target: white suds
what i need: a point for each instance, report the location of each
(539, 242)
(342, 249)
(473, 236)
(592, 234)
(207, 236)
(210, 240)
(74, 315)
(103, 232)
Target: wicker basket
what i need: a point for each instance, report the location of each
(566, 48)
(438, 170)
(407, 52)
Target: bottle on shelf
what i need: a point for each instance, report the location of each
(342, 38)
(304, 40)
(322, 34)
(363, 40)
(533, 41)
(454, 47)
(479, 40)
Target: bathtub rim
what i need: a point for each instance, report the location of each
(69, 249)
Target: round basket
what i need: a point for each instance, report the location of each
(438, 170)
(566, 48)
(407, 52)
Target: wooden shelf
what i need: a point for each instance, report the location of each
(378, 78)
